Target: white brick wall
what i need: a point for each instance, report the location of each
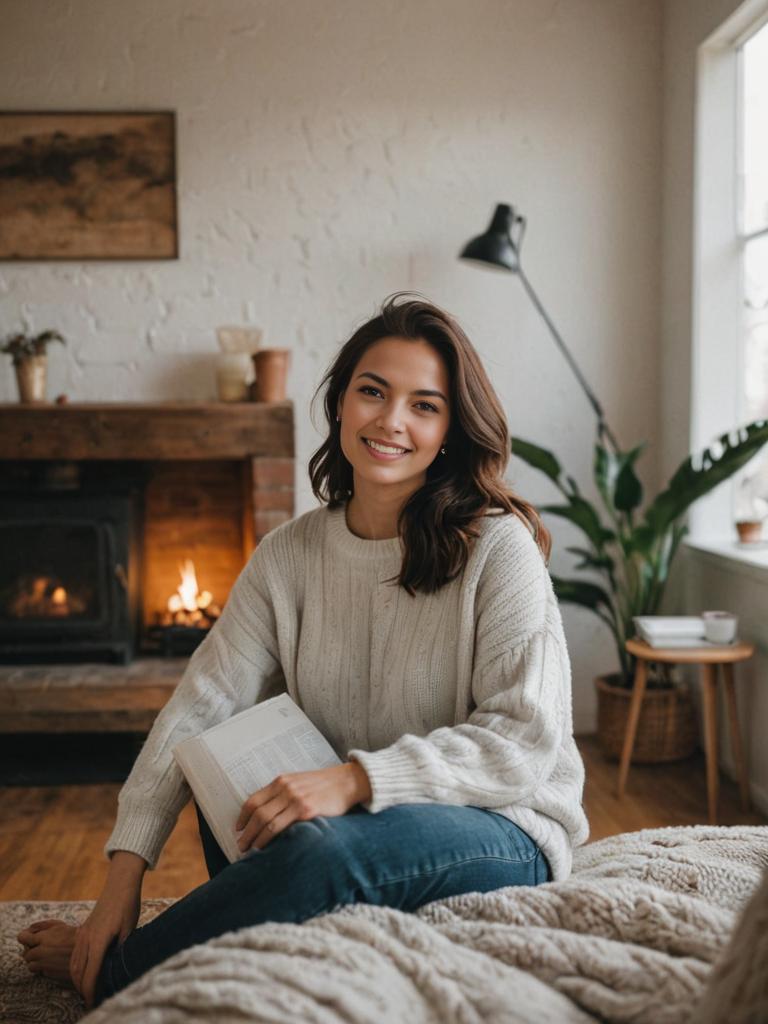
(333, 151)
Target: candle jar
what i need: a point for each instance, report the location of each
(232, 377)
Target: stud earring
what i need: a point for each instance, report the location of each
(443, 451)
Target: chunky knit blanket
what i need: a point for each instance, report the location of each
(632, 936)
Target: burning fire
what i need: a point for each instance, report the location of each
(190, 606)
(41, 597)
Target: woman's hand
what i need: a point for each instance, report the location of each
(300, 796)
(114, 917)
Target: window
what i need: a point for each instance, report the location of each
(752, 488)
(729, 356)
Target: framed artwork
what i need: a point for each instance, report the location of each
(88, 186)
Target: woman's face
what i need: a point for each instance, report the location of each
(398, 397)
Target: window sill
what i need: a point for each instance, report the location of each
(747, 560)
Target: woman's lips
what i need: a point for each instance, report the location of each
(382, 456)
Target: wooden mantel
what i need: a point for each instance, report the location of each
(168, 431)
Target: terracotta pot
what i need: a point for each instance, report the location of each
(667, 729)
(30, 377)
(750, 531)
(271, 366)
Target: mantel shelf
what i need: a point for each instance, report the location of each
(134, 431)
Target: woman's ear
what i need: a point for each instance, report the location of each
(339, 404)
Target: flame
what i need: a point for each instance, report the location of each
(44, 597)
(188, 586)
(189, 606)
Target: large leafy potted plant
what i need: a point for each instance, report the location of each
(628, 550)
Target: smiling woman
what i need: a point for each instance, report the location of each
(412, 619)
(410, 380)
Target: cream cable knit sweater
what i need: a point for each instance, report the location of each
(459, 697)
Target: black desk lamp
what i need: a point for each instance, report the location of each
(500, 247)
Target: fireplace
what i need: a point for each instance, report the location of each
(101, 508)
(69, 570)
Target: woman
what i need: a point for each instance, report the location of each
(413, 619)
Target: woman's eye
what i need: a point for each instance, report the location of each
(369, 388)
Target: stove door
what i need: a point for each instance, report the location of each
(53, 576)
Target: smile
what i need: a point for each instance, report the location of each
(384, 451)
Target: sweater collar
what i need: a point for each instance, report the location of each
(348, 545)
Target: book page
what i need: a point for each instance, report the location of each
(297, 750)
(259, 744)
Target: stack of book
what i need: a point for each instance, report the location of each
(671, 630)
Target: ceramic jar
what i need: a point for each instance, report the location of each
(271, 366)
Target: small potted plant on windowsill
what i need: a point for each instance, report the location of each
(751, 511)
(631, 553)
(30, 360)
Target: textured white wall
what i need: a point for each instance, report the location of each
(333, 151)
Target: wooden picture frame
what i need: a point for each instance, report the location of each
(90, 185)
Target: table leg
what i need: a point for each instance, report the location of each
(709, 694)
(736, 747)
(638, 692)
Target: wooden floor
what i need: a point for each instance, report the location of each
(51, 839)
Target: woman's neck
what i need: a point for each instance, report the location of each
(374, 518)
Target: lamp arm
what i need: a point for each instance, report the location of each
(602, 426)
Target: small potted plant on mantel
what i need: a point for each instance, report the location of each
(631, 554)
(30, 360)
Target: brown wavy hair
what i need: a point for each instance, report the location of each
(437, 523)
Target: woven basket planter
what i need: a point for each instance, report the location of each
(667, 729)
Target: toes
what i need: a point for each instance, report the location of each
(28, 934)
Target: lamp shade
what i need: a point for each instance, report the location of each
(496, 246)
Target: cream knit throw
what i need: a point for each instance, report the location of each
(632, 936)
(460, 697)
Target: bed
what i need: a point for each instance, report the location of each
(662, 925)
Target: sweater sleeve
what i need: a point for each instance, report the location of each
(235, 667)
(520, 685)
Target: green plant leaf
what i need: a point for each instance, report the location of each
(603, 472)
(589, 595)
(537, 457)
(640, 541)
(591, 560)
(582, 514)
(629, 490)
(696, 477)
(615, 478)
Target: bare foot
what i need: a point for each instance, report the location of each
(48, 947)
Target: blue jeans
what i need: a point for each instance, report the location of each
(402, 857)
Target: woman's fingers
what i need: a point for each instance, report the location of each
(89, 979)
(78, 958)
(277, 825)
(253, 803)
(85, 964)
(275, 813)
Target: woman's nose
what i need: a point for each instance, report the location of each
(390, 417)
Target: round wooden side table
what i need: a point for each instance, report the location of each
(708, 659)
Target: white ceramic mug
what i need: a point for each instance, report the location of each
(720, 627)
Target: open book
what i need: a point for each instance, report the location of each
(228, 763)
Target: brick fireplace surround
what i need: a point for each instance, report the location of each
(218, 478)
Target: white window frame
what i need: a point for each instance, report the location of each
(717, 269)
